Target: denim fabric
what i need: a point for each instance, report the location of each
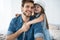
(45, 30)
(36, 30)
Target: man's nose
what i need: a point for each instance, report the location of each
(30, 9)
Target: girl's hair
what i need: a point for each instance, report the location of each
(42, 9)
(43, 12)
(26, 1)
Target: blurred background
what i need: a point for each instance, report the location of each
(8, 9)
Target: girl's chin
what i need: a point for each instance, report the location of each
(36, 12)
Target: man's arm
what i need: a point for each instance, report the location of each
(12, 35)
(39, 38)
(38, 31)
(16, 34)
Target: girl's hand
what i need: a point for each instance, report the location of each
(28, 23)
(17, 14)
(25, 27)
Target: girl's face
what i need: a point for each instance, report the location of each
(37, 9)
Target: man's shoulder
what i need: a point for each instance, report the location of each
(16, 18)
(37, 25)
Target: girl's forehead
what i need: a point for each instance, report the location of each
(36, 5)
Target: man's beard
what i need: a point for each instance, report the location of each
(26, 15)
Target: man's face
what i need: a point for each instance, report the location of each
(27, 9)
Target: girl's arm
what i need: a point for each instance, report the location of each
(39, 19)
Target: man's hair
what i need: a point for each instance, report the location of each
(26, 1)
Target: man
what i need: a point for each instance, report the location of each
(19, 30)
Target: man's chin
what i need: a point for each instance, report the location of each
(27, 15)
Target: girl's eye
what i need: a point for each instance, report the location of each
(37, 6)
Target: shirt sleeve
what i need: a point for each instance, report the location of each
(11, 28)
(38, 30)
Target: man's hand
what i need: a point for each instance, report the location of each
(16, 34)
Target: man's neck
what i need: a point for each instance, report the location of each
(25, 18)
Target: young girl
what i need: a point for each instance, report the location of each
(39, 16)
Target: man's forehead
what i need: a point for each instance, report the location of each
(29, 3)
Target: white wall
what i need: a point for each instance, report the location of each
(5, 15)
(53, 11)
(16, 6)
(8, 9)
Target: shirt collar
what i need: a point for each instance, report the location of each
(21, 20)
